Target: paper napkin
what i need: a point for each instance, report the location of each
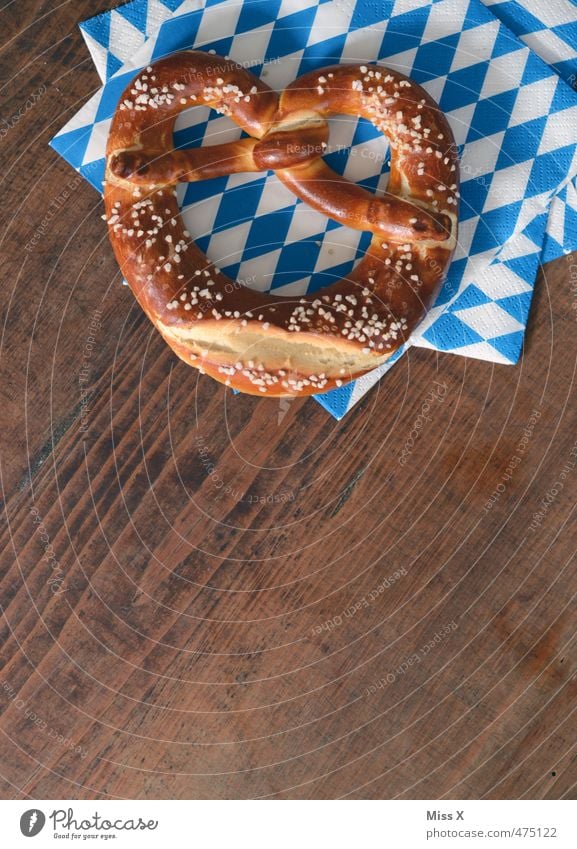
(514, 118)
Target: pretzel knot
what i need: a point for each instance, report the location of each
(254, 341)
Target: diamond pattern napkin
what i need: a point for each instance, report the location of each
(513, 116)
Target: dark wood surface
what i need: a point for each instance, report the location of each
(266, 629)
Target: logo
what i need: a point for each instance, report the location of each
(32, 822)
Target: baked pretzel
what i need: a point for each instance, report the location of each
(257, 342)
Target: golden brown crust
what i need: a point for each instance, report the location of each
(258, 342)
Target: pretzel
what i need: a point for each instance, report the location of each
(257, 342)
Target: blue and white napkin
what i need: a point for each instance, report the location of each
(513, 116)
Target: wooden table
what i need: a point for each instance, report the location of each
(209, 596)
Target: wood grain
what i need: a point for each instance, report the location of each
(209, 596)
